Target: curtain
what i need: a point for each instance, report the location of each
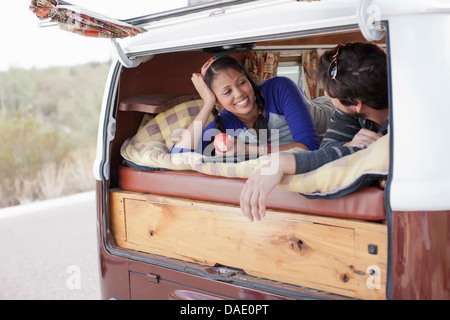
(81, 21)
(261, 65)
(310, 59)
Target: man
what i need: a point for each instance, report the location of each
(354, 76)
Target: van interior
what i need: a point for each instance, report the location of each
(336, 246)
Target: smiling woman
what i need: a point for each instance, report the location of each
(255, 116)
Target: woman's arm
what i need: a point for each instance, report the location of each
(190, 137)
(289, 101)
(288, 146)
(240, 148)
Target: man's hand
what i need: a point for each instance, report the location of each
(363, 139)
(254, 195)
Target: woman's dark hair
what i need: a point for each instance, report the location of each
(225, 62)
(361, 74)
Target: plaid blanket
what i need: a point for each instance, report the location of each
(151, 145)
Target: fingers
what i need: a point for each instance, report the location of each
(202, 88)
(246, 208)
(253, 197)
(245, 202)
(197, 77)
(249, 202)
(257, 212)
(199, 83)
(261, 201)
(364, 138)
(256, 190)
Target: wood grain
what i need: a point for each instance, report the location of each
(323, 253)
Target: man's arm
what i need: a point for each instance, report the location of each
(308, 161)
(254, 194)
(342, 129)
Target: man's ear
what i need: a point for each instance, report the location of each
(358, 106)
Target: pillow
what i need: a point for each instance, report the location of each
(150, 146)
(321, 110)
(345, 175)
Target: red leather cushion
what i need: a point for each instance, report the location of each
(366, 204)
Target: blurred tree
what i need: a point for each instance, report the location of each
(47, 117)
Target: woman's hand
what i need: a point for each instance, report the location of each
(191, 136)
(236, 147)
(204, 91)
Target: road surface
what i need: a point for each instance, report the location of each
(48, 250)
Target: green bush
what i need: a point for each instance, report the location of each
(26, 144)
(48, 124)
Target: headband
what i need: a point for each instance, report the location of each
(210, 62)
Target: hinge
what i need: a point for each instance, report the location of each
(223, 272)
(121, 56)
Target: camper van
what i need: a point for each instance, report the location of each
(171, 228)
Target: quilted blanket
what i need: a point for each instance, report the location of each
(150, 147)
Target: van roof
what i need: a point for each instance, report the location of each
(240, 23)
(235, 22)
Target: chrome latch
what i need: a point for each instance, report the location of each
(154, 278)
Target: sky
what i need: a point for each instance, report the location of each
(25, 45)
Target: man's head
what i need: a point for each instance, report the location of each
(355, 72)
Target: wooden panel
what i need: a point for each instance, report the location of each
(168, 73)
(324, 39)
(148, 103)
(317, 252)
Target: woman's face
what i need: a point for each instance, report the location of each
(234, 92)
